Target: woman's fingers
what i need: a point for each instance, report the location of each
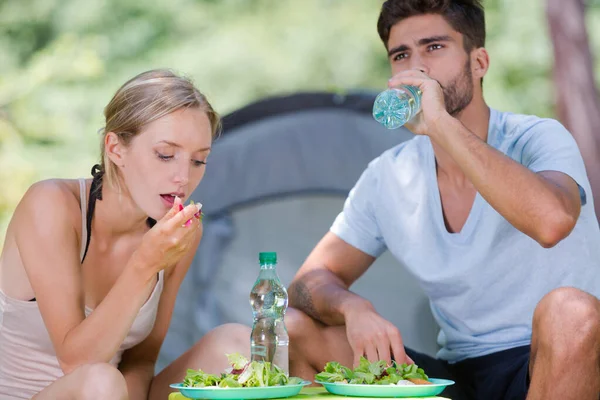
(182, 217)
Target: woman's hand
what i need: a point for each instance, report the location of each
(171, 238)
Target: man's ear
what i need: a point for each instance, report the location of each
(114, 149)
(480, 62)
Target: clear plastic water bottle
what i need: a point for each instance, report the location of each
(395, 107)
(269, 340)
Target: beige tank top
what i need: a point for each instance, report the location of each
(28, 361)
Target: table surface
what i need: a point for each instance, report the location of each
(319, 393)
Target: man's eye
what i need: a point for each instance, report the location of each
(400, 56)
(434, 47)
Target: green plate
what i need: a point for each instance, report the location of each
(345, 389)
(267, 392)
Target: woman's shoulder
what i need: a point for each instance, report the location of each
(48, 212)
(51, 201)
(54, 190)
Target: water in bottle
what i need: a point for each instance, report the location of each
(394, 107)
(269, 339)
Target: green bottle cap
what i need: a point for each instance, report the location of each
(269, 257)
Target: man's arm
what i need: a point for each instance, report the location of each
(321, 286)
(543, 205)
(321, 290)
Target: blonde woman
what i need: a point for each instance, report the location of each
(90, 268)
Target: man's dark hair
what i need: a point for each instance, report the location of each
(464, 16)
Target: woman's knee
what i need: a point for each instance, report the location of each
(227, 338)
(210, 352)
(100, 381)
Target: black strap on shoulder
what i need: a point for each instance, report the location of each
(95, 194)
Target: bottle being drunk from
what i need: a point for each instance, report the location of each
(395, 107)
(269, 340)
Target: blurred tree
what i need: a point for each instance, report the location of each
(577, 101)
(61, 60)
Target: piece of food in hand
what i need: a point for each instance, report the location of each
(241, 373)
(377, 373)
(199, 215)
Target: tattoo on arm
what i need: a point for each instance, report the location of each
(302, 299)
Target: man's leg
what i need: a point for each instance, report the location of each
(313, 344)
(565, 347)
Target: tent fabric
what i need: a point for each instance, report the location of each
(275, 180)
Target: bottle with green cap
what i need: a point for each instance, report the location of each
(269, 340)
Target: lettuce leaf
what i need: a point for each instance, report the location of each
(199, 378)
(367, 373)
(237, 361)
(335, 372)
(241, 374)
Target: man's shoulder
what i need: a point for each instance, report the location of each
(513, 126)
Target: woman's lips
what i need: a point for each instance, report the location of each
(168, 199)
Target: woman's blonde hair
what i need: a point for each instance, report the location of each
(146, 98)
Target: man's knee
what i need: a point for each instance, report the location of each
(568, 315)
(100, 381)
(298, 324)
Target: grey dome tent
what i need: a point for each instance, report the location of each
(276, 179)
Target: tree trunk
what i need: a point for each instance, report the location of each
(578, 105)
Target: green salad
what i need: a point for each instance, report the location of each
(377, 373)
(242, 373)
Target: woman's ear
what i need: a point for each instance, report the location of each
(480, 62)
(114, 149)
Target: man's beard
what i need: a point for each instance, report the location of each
(459, 92)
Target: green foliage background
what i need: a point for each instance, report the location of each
(61, 61)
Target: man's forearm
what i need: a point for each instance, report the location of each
(326, 302)
(525, 199)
